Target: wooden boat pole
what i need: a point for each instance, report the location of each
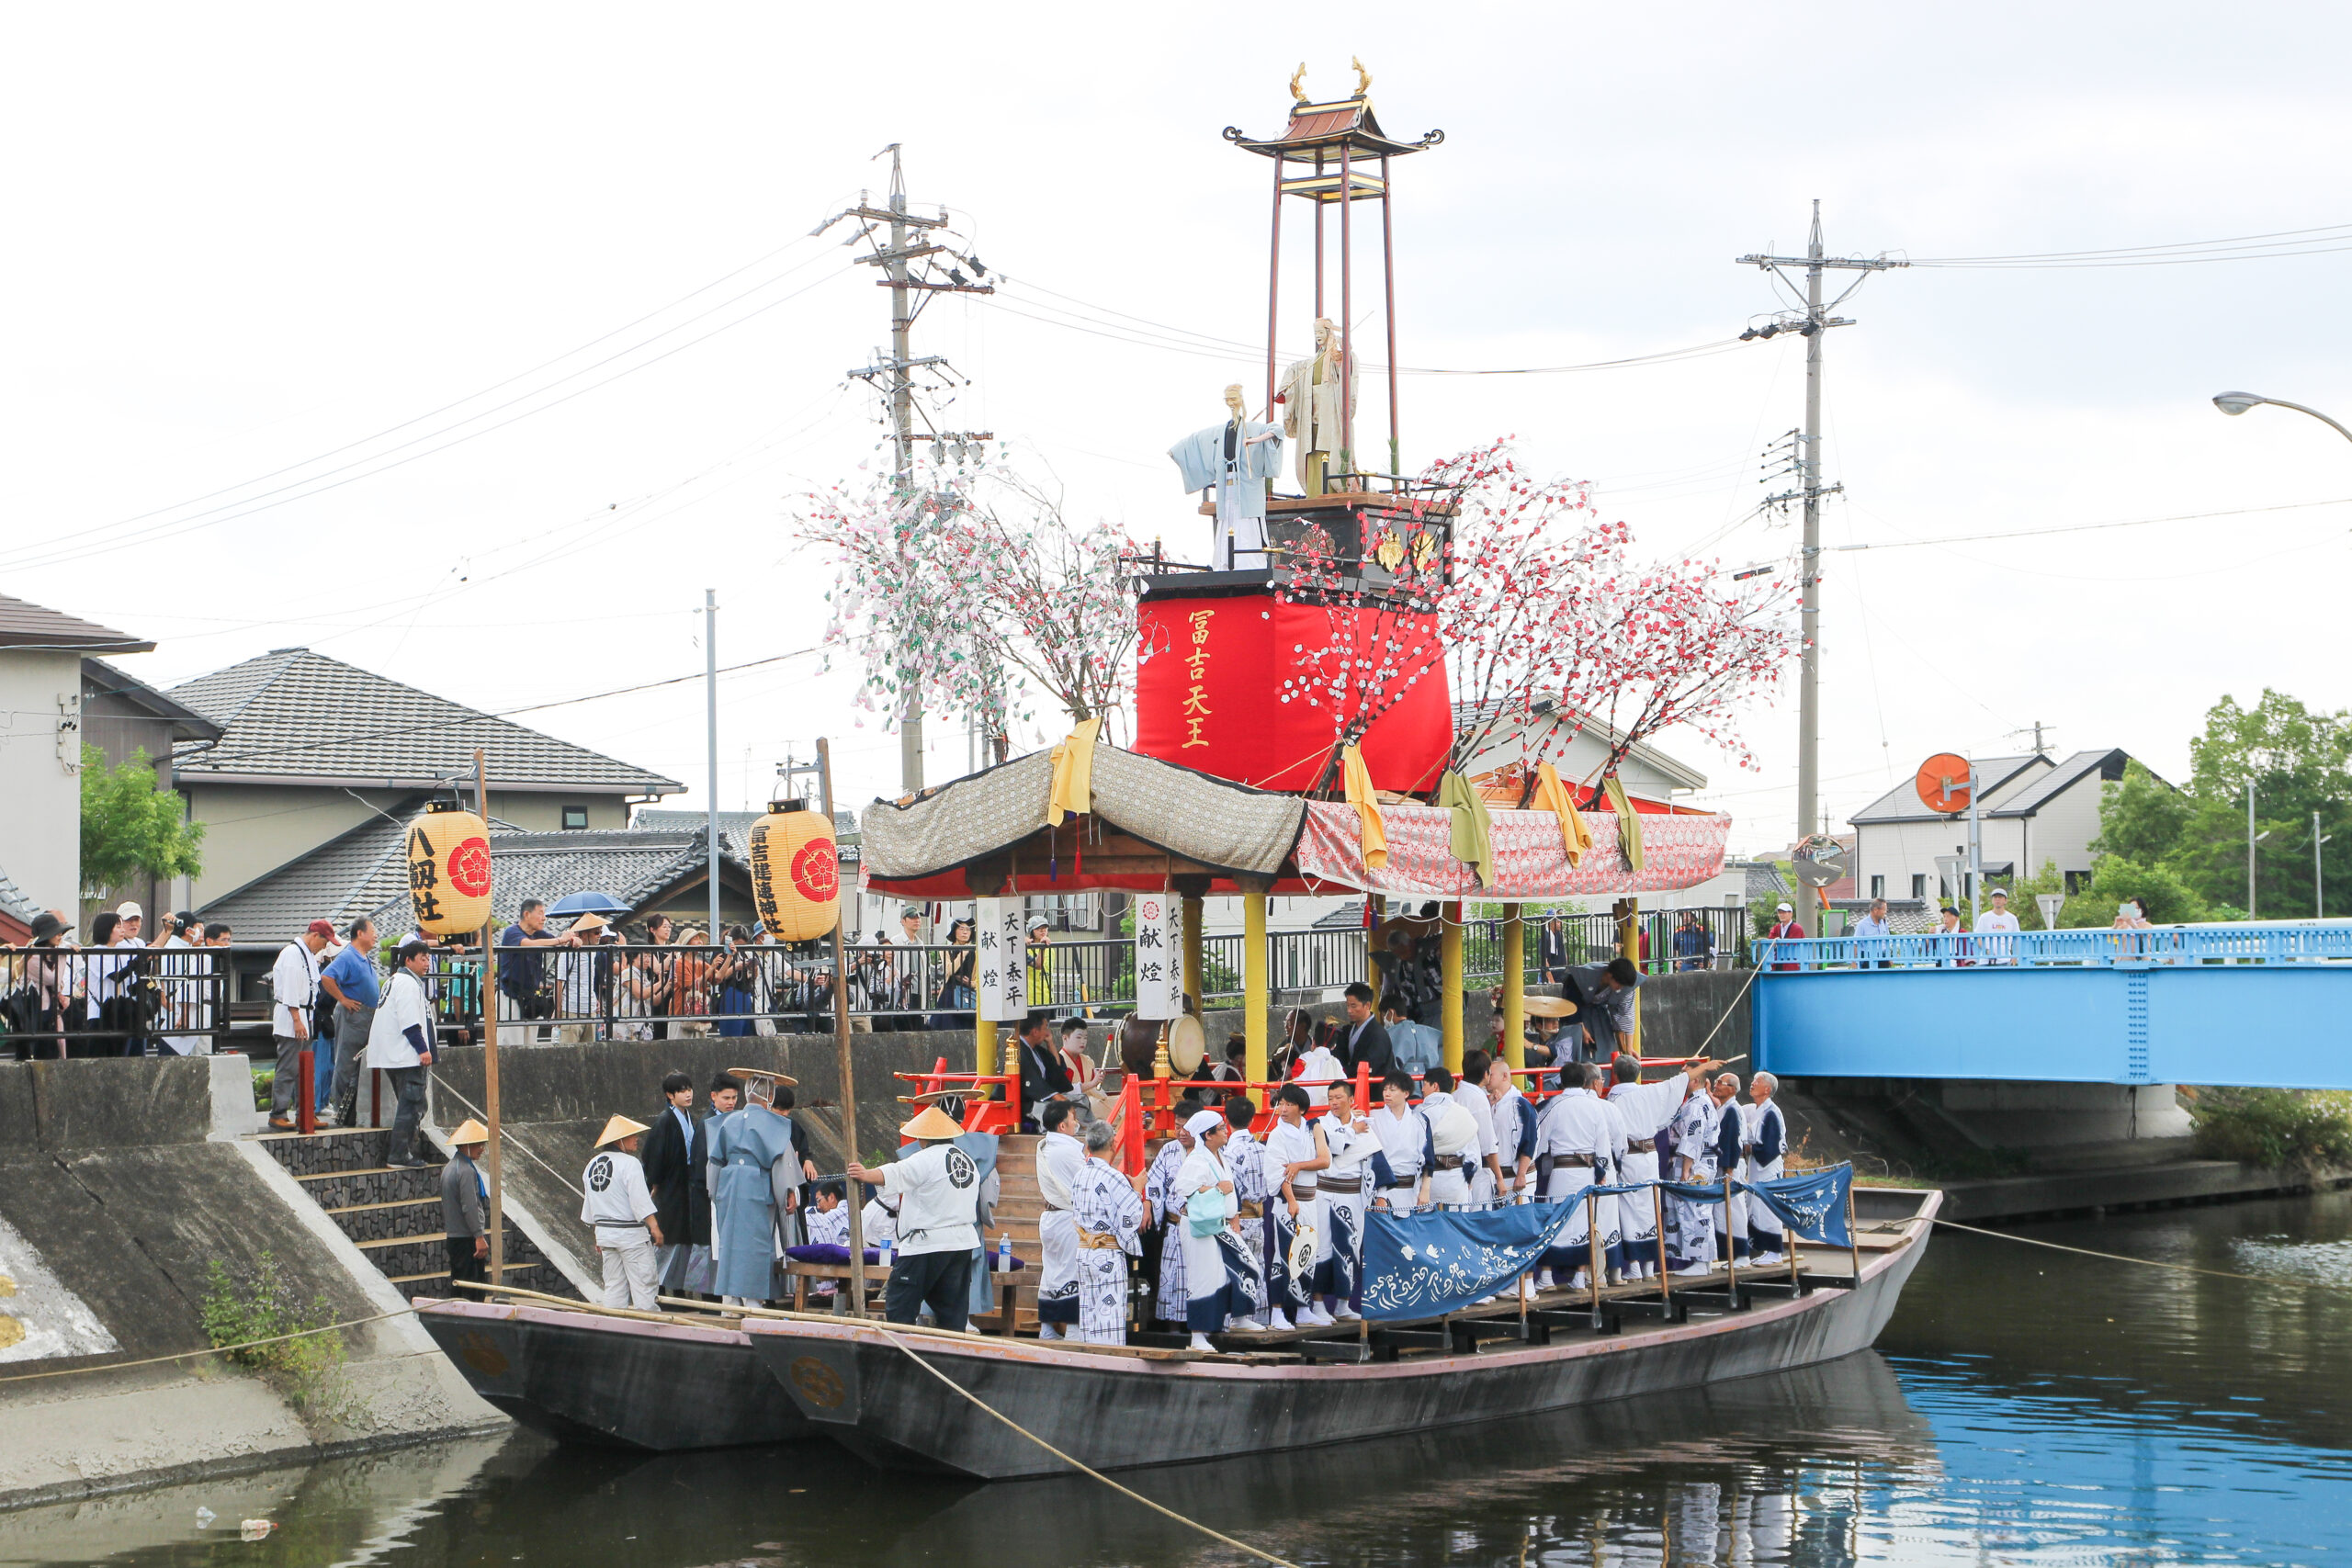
(1664, 1274)
(1731, 1245)
(1592, 1244)
(1853, 1237)
(1450, 966)
(1514, 943)
(1254, 997)
(489, 1049)
(840, 1046)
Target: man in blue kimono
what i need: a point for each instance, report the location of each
(754, 1180)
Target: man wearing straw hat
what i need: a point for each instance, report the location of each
(614, 1200)
(465, 1203)
(938, 1189)
(755, 1181)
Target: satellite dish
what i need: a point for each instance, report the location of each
(1820, 861)
(1187, 1044)
(1943, 782)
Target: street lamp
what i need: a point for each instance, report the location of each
(2238, 402)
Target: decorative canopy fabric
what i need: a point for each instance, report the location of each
(1531, 860)
(1226, 827)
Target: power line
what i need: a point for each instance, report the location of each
(100, 541)
(2240, 247)
(209, 755)
(2088, 527)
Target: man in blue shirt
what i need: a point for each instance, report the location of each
(351, 982)
(523, 972)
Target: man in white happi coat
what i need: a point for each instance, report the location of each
(617, 1202)
(1582, 1139)
(1403, 1130)
(1108, 1208)
(939, 1191)
(1294, 1155)
(1515, 1119)
(1060, 1158)
(1694, 1219)
(1647, 1110)
(1454, 1140)
(1246, 1157)
(1341, 1195)
(1165, 1209)
(1764, 1140)
(1484, 1167)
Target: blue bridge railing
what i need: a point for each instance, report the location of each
(2301, 942)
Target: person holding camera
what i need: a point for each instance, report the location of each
(523, 972)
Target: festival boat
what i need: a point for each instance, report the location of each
(590, 1376)
(896, 1397)
(1296, 732)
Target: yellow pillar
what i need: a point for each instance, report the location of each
(1629, 946)
(984, 1058)
(1514, 987)
(1450, 963)
(1254, 1001)
(1192, 972)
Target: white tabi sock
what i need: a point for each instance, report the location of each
(1201, 1342)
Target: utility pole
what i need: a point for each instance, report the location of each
(911, 238)
(1813, 325)
(2318, 881)
(710, 734)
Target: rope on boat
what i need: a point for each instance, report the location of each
(218, 1349)
(505, 1136)
(1074, 1464)
(2148, 1262)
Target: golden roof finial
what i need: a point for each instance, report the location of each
(1363, 79)
(1297, 93)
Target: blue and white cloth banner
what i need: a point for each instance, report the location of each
(1435, 1261)
(1813, 1202)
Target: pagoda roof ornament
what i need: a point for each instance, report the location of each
(1326, 128)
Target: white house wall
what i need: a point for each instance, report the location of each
(40, 827)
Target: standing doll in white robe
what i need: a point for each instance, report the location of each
(1166, 1210)
(1108, 1208)
(1059, 1157)
(1293, 1156)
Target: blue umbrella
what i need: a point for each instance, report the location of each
(587, 904)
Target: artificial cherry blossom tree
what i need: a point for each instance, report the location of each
(972, 591)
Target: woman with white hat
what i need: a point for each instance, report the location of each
(938, 1191)
(616, 1202)
(1218, 1270)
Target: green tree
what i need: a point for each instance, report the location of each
(2296, 760)
(131, 829)
(2141, 817)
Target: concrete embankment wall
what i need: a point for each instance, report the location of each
(121, 1183)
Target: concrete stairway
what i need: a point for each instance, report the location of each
(394, 1215)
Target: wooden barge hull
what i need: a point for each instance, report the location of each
(616, 1383)
(1118, 1413)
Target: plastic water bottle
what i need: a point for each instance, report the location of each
(1005, 1252)
(888, 1250)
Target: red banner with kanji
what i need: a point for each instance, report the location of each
(1227, 685)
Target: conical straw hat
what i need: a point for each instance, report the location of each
(469, 1132)
(616, 1129)
(932, 1123)
(1549, 1007)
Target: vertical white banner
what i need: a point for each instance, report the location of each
(1159, 957)
(999, 964)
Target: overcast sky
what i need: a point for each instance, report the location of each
(241, 240)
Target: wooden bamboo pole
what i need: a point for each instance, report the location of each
(840, 1046)
(1731, 1243)
(489, 1047)
(1592, 1244)
(1664, 1274)
(1853, 1237)
(1450, 966)
(1514, 987)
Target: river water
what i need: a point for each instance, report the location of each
(2025, 1407)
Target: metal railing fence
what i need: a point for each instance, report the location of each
(109, 1001)
(2297, 942)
